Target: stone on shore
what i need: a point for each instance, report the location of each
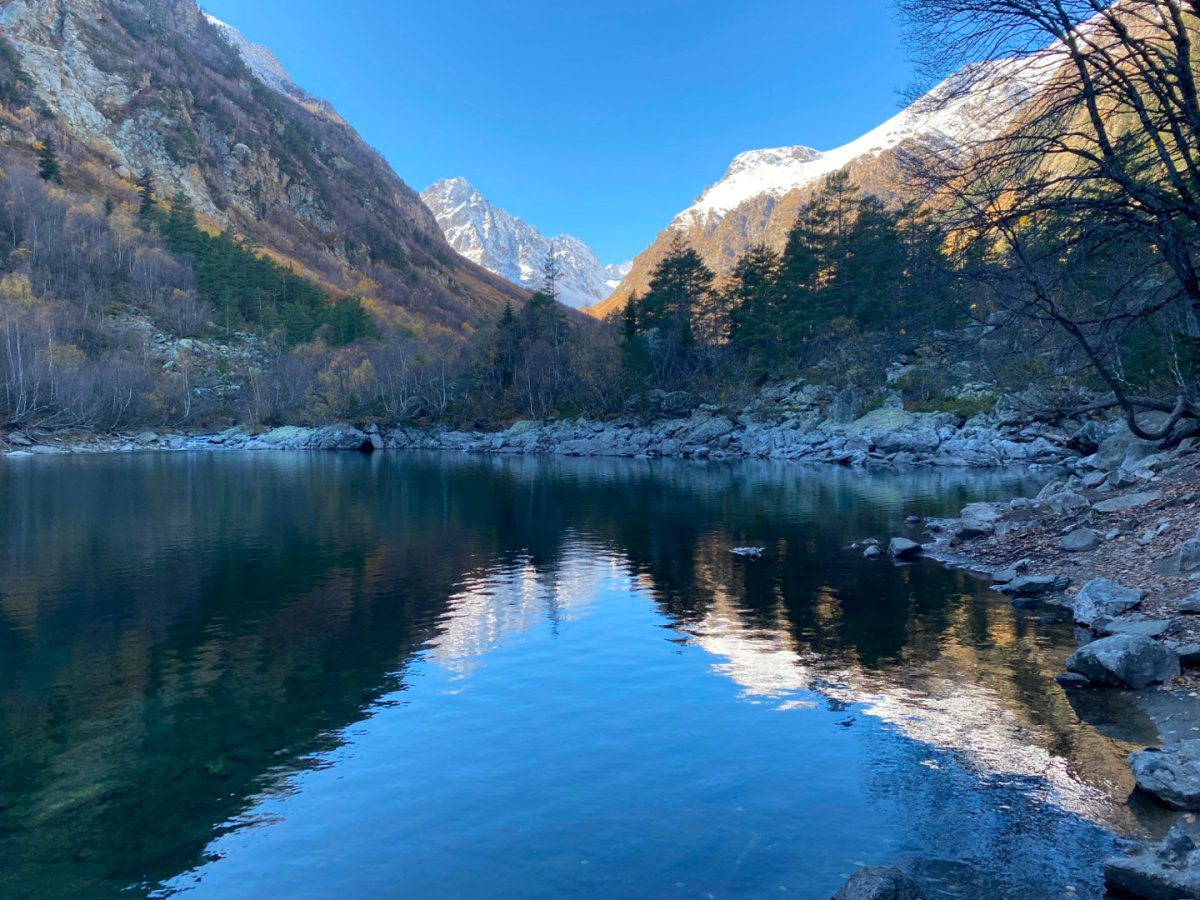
(1067, 502)
(1135, 624)
(1012, 573)
(1081, 540)
(1189, 556)
(1125, 661)
(291, 437)
(1170, 871)
(879, 883)
(1171, 774)
(1102, 597)
(903, 548)
(1127, 502)
(1190, 603)
(341, 437)
(979, 520)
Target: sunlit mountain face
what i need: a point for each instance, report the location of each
(453, 676)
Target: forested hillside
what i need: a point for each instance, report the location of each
(182, 244)
(156, 190)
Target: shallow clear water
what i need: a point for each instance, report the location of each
(437, 676)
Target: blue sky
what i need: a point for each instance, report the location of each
(598, 119)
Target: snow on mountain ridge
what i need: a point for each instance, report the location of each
(267, 68)
(514, 249)
(974, 104)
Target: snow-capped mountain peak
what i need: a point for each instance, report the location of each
(267, 68)
(971, 105)
(514, 249)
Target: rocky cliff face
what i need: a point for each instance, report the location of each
(153, 85)
(760, 195)
(515, 250)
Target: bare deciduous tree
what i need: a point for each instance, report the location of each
(1091, 165)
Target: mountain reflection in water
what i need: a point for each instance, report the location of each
(438, 676)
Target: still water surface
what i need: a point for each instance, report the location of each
(278, 675)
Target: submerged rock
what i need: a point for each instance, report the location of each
(748, 552)
(1172, 774)
(879, 883)
(1073, 680)
(1125, 661)
(903, 548)
(1032, 585)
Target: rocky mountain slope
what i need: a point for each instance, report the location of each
(130, 86)
(270, 71)
(514, 249)
(758, 198)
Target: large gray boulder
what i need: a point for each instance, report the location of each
(340, 437)
(1170, 871)
(1102, 597)
(1189, 556)
(287, 437)
(879, 883)
(1125, 661)
(1172, 775)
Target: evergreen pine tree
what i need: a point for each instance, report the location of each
(872, 271)
(753, 309)
(551, 272)
(181, 232)
(146, 192)
(681, 287)
(48, 166)
(635, 357)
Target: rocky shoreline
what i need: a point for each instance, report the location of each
(1116, 543)
(802, 424)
